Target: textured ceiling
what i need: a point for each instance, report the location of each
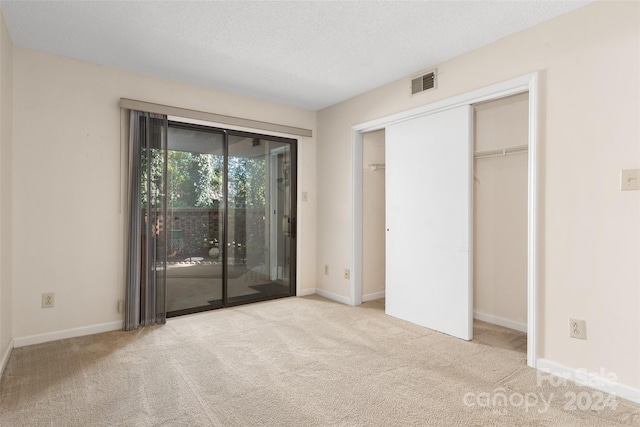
(310, 54)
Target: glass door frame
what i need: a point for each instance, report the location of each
(224, 207)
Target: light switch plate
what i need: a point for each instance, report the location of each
(629, 179)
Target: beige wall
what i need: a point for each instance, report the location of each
(500, 212)
(589, 233)
(6, 101)
(68, 175)
(373, 216)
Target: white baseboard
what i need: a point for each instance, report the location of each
(67, 333)
(334, 297)
(373, 296)
(305, 292)
(594, 380)
(500, 321)
(5, 357)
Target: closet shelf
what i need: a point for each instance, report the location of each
(514, 149)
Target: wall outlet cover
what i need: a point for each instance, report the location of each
(578, 329)
(48, 300)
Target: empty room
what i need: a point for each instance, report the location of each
(244, 213)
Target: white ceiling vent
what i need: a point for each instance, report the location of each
(424, 82)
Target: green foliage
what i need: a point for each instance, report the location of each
(247, 181)
(151, 191)
(196, 180)
(209, 180)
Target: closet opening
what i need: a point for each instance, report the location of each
(500, 212)
(452, 121)
(373, 217)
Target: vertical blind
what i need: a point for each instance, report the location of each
(145, 298)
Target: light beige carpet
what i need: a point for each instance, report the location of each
(289, 362)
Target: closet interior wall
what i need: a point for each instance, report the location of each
(373, 215)
(500, 213)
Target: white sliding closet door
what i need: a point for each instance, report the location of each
(428, 214)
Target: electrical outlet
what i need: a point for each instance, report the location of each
(120, 306)
(347, 273)
(578, 329)
(48, 300)
(326, 269)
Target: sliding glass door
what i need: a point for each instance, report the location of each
(261, 227)
(231, 218)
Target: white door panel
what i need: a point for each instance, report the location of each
(428, 214)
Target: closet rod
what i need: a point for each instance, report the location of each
(514, 149)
